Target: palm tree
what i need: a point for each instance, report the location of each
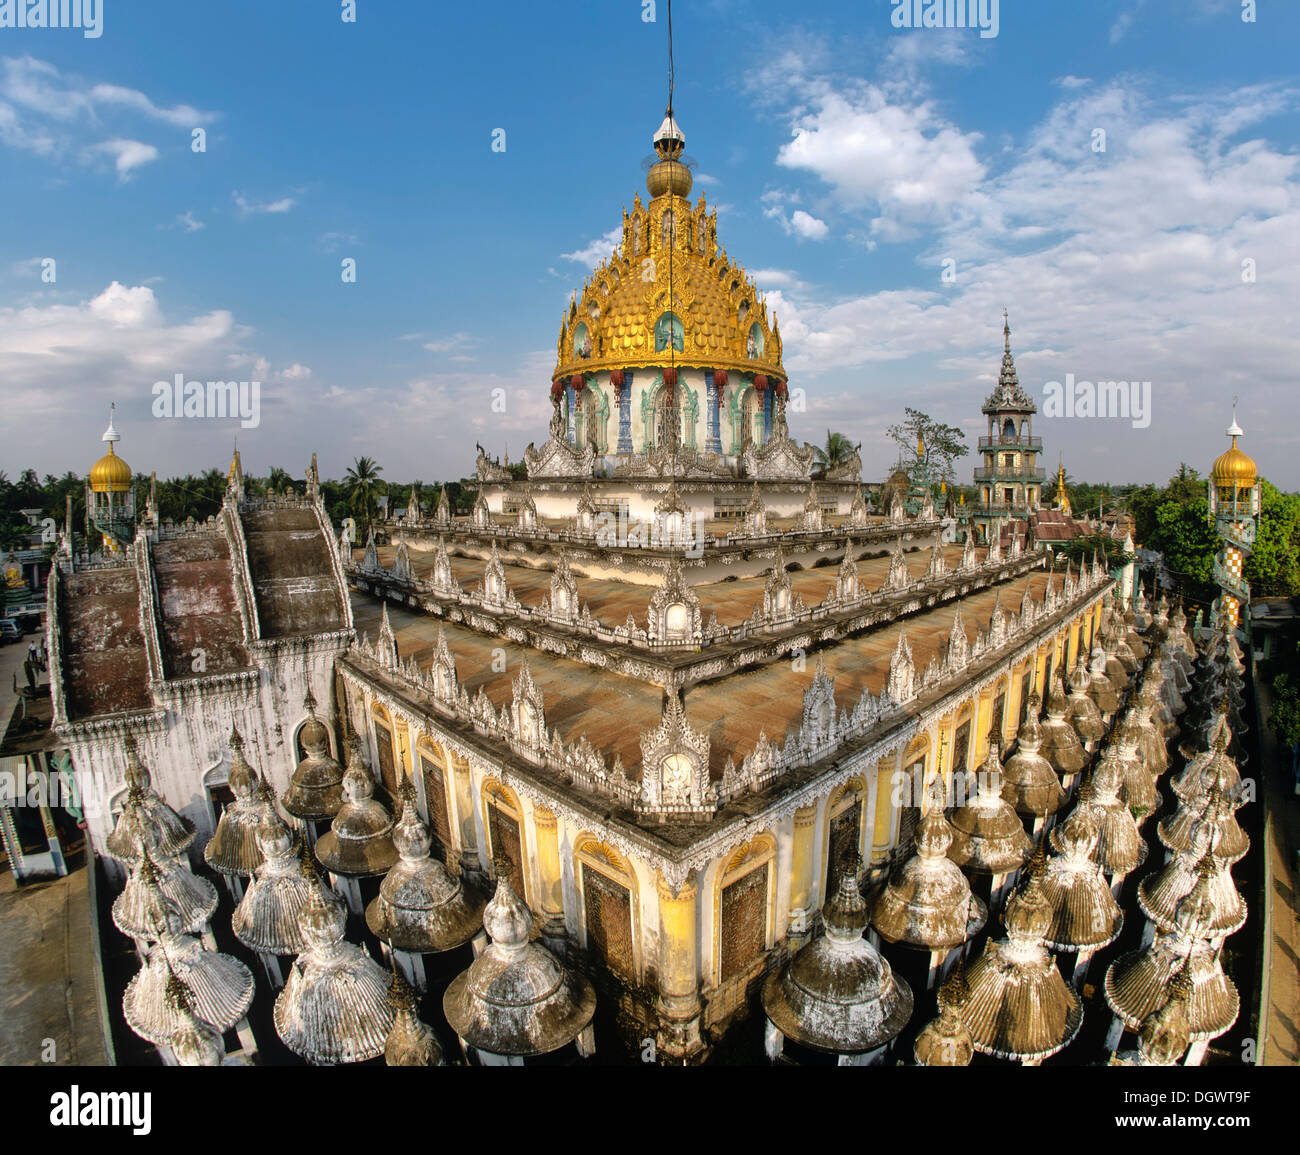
(278, 480)
(837, 451)
(363, 487)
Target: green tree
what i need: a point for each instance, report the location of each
(941, 445)
(1273, 567)
(837, 450)
(364, 489)
(279, 481)
(1184, 536)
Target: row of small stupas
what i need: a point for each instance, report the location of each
(1083, 782)
(1095, 758)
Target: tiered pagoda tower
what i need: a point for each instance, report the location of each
(1010, 482)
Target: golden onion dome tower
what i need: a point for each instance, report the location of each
(1234, 512)
(109, 497)
(668, 305)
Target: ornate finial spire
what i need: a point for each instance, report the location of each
(111, 434)
(1006, 332)
(1234, 430)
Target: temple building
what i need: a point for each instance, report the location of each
(678, 701)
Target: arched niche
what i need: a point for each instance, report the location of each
(503, 820)
(608, 891)
(435, 777)
(381, 723)
(744, 892)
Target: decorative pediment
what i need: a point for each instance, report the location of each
(528, 713)
(557, 458)
(756, 514)
(442, 515)
(812, 519)
(938, 564)
(778, 598)
(564, 591)
(386, 647)
(779, 460)
(489, 469)
(495, 590)
(586, 511)
(671, 518)
(958, 643)
(444, 582)
(899, 575)
(413, 507)
(371, 560)
(968, 552)
(848, 582)
(858, 510)
(897, 510)
(527, 511)
(674, 609)
(902, 671)
(995, 545)
(997, 622)
(402, 563)
(442, 671)
(820, 727)
(482, 515)
(926, 512)
(675, 766)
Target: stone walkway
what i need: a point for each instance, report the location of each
(1280, 996)
(48, 1001)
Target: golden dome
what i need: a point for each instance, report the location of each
(669, 260)
(110, 474)
(1234, 468)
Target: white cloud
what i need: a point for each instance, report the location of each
(767, 279)
(249, 207)
(808, 226)
(127, 155)
(294, 372)
(189, 222)
(905, 165)
(57, 116)
(597, 250)
(1123, 265)
(1073, 81)
(1124, 21)
(450, 344)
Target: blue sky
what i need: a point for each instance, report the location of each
(849, 160)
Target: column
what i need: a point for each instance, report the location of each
(802, 905)
(463, 792)
(679, 1038)
(551, 897)
(883, 835)
(625, 414)
(713, 444)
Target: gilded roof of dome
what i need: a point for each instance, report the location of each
(669, 259)
(1234, 467)
(110, 474)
